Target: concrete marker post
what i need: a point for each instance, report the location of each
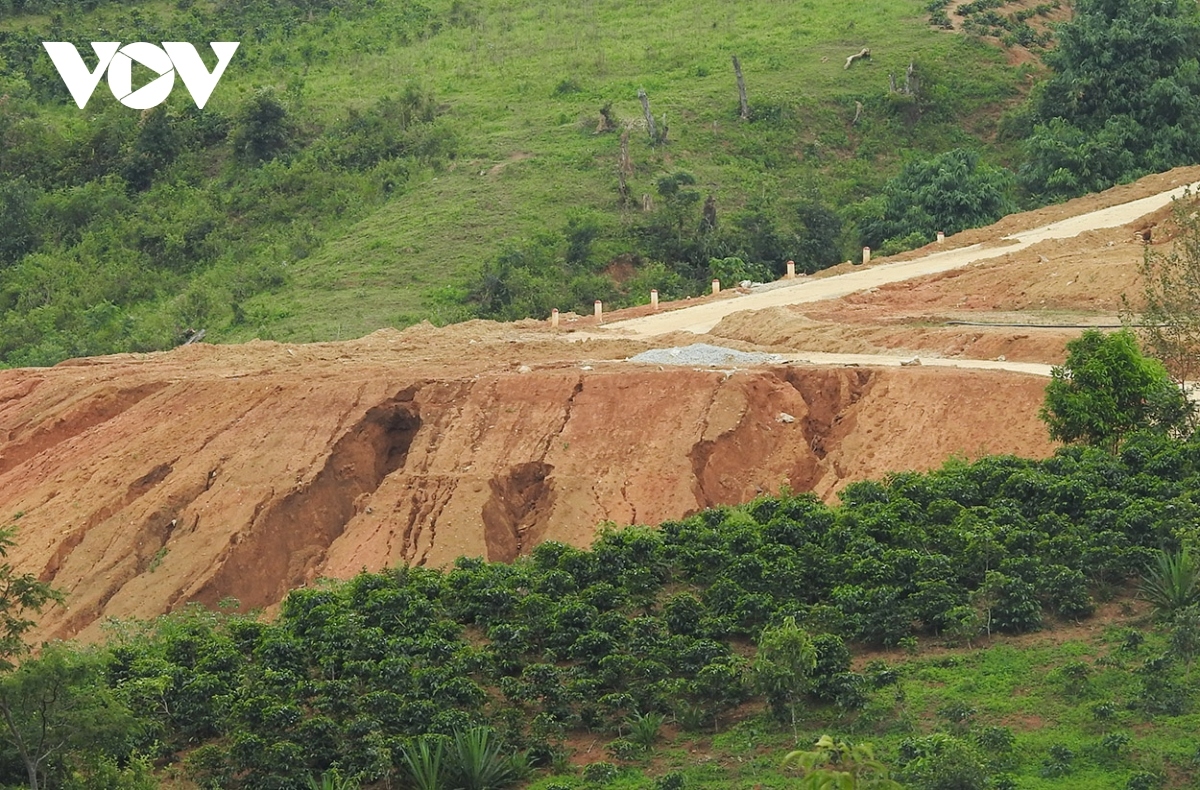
(554, 318)
(654, 298)
(941, 237)
(716, 287)
(791, 270)
(866, 254)
(599, 312)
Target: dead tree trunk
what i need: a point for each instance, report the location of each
(607, 123)
(910, 80)
(744, 113)
(863, 53)
(646, 112)
(708, 217)
(624, 167)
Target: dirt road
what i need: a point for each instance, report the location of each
(702, 318)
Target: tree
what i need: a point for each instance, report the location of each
(948, 192)
(1107, 389)
(1170, 318)
(1123, 98)
(20, 594)
(57, 706)
(784, 666)
(262, 130)
(20, 227)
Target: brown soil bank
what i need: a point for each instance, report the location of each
(143, 483)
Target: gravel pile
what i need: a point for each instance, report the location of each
(704, 355)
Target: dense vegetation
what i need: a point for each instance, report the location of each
(369, 163)
(372, 163)
(655, 625)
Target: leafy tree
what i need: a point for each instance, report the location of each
(20, 595)
(1123, 98)
(1170, 319)
(821, 231)
(783, 667)
(950, 192)
(20, 230)
(1107, 389)
(841, 765)
(57, 705)
(261, 130)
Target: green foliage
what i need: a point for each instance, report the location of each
(477, 762)
(1123, 90)
(784, 665)
(1172, 583)
(1106, 389)
(360, 160)
(839, 765)
(332, 780)
(644, 728)
(55, 707)
(402, 675)
(423, 761)
(731, 271)
(941, 762)
(948, 192)
(21, 594)
(102, 772)
(1169, 322)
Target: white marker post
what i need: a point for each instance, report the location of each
(654, 298)
(716, 287)
(554, 318)
(599, 312)
(866, 254)
(791, 270)
(941, 237)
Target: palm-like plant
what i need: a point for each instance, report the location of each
(424, 763)
(643, 728)
(1172, 582)
(332, 780)
(477, 762)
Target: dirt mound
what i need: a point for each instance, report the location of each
(143, 482)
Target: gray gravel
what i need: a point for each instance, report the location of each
(705, 355)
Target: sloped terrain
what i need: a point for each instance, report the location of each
(144, 483)
(141, 482)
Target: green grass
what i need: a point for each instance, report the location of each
(1018, 685)
(500, 78)
(521, 86)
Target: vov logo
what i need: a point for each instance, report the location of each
(172, 57)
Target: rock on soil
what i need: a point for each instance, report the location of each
(705, 355)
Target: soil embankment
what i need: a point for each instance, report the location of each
(147, 482)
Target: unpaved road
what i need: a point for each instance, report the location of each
(700, 319)
(817, 358)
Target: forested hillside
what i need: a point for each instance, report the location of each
(364, 164)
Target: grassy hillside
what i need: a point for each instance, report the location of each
(364, 214)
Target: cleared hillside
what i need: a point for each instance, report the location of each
(357, 164)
